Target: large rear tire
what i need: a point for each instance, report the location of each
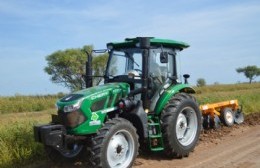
(181, 125)
(115, 145)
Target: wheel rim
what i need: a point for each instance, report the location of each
(186, 126)
(229, 117)
(120, 149)
(71, 151)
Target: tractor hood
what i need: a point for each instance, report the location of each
(84, 111)
(93, 93)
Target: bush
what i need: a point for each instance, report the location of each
(18, 146)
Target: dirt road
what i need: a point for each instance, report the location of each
(238, 147)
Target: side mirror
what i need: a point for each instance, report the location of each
(164, 57)
(186, 76)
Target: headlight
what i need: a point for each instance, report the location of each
(71, 119)
(74, 119)
(73, 107)
(71, 116)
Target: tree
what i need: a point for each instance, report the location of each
(67, 67)
(251, 72)
(201, 82)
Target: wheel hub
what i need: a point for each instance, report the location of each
(229, 117)
(181, 125)
(186, 126)
(120, 150)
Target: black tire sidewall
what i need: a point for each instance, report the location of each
(184, 104)
(171, 135)
(122, 124)
(59, 159)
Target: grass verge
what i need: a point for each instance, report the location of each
(19, 103)
(16, 139)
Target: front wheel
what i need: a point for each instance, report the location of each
(72, 153)
(181, 125)
(115, 145)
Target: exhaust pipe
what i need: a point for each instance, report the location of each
(88, 77)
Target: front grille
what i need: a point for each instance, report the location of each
(71, 119)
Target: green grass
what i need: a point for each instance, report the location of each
(16, 138)
(19, 103)
(248, 95)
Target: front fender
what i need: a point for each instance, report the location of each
(171, 91)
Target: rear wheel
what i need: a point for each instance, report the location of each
(181, 125)
(115, 145)
(227, 117)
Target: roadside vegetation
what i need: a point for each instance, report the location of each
(16, 138)
(20, 103)
(17, 145)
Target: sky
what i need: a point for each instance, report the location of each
(223, 35)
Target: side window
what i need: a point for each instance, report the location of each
(137, 61)
(158, 70)
(118, 59)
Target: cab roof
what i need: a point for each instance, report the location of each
(158, 42)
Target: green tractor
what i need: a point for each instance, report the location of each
(141, 102)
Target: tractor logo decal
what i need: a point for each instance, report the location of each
(94, 120)
(94, 117)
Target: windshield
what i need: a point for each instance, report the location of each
(125, 60)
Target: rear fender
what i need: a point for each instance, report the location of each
(170, 92)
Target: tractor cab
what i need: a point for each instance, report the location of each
(147, 64)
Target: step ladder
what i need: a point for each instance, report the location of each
(155, 134)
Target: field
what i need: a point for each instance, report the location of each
(18, 148)
(19, 103)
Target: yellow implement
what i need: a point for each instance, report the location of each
(216, 108)
(227, 112)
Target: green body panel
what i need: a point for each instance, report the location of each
(105, 96)
(131, 42)
(171, 91)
